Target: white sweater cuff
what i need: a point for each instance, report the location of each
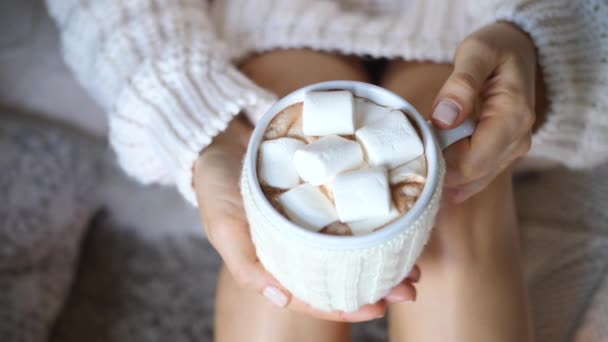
(571, 40)
(172, 108)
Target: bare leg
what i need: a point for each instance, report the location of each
(472, 286)
(242, 315)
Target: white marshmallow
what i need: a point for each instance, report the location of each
(412, 171)
(328, 112)
(362, 194)
(276, 162)
(368, 225)
(328, 187)
(306, 206)
(390, 142)
(317, 163)
(367, 112)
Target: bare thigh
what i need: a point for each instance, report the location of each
(284, 71)
(472, 286)
(243, 315)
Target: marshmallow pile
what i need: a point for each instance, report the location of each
(343, 166)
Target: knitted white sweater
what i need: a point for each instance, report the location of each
(163, 68)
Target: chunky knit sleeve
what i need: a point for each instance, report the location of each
(158, 68)
(572, 41)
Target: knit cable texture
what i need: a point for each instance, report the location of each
(159, 70)
(338, 279)
(572, 42)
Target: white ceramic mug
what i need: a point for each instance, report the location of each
(345, 272)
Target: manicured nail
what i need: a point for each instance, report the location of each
(414, 276)
(461, 196)
(401, 301)
(446, 112)
(399, 297)
(275, 296)
(411, 299)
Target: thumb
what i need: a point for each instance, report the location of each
(473, 64)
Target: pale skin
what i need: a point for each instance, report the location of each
(472, 287)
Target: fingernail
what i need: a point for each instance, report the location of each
(398, 298)
(401, 301)
(446, 112)
(459, 195)
(275, 296)
(410, 300)
(414, 276)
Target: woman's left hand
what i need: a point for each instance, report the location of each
(494, 78)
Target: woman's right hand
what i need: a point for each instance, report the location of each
(216, 181)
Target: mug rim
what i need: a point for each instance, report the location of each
(334, 242)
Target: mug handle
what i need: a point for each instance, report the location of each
(447, 137)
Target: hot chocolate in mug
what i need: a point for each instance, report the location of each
(345, 272)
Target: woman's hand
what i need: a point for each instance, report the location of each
(216, 181)
(494, 78)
